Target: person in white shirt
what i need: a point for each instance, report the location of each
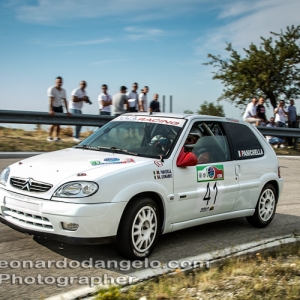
(56, 95)
(250, 112)
(280, 114)
(143, 100)
(105, 101)
(78, 96)
(133, 98)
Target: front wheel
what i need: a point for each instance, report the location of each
(265, 208)
(139, 229)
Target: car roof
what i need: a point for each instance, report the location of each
(175, 115)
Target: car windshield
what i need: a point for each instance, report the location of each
(142, 136)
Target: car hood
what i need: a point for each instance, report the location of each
(73, 164)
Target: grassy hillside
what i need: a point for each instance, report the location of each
(12, 140)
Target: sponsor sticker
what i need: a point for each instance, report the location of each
(159, 163)
(111, 160)
(166, 121)
(210, 173)
(162, 174)
(253, 152)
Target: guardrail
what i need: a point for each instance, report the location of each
(282, 132)
(32, 117)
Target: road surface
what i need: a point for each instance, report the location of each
(15, 246)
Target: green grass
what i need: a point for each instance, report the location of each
(15, 140)
(19, 140)
(274, 275)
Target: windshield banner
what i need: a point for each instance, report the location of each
(157, 120)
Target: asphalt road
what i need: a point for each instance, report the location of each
(173, 246)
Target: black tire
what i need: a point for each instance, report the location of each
(128, 243)
(265, 207)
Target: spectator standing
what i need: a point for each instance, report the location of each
(154, 104)
(292, 118)
(56, 95)
(119, 102)
(274, 141)
(292, 114)
(280, 114)
(78, 96)
(105, 101)
(250, 112)
(143, 99)
(261, 112)
(133, 98)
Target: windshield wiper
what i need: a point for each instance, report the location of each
(114, 149)
(124, 151)
(86, 147)
(99, 148)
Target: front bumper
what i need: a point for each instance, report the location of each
(61, 238)
(98, 223)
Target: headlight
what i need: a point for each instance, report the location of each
(4, 176)
(76, 189)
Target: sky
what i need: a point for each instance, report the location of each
(159, 43)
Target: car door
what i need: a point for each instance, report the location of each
(211, 186)
(251, 164)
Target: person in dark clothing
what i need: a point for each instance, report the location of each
(261, 113)
(154, 104)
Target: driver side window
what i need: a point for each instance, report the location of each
(207, 140)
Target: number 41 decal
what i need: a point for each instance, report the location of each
(207, 195)
(210, 196)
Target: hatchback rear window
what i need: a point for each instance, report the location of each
(245, 143)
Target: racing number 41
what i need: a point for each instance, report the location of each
(207, 194)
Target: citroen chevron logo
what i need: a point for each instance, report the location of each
(27, 184)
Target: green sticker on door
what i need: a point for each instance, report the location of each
(210, 173)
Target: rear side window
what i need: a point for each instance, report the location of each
(245, 143)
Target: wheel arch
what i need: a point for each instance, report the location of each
(155, 197)
(275, 184)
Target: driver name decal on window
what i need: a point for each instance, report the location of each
(111, 160)
(166, 121)
(253, 152)
(210, 173)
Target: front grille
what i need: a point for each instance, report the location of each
(29, 184)
(29, 219)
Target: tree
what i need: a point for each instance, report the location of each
(211, 109)
(271, 70)
(188, 112)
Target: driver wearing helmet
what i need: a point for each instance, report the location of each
(192, 139)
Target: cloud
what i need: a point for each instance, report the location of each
(246, 22)
(80, 43)
(52, 12)
(138, 33)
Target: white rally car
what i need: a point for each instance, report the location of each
(140, 176)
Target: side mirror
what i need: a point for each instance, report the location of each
(186, 159)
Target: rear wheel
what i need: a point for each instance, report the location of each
(265, 208)
(139, 229)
